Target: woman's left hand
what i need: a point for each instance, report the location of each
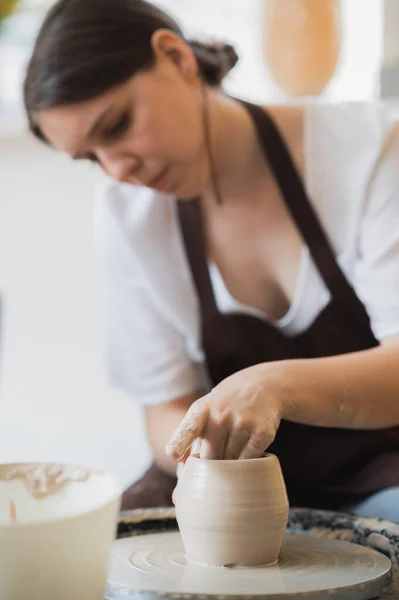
(238, 419)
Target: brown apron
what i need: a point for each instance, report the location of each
(323, 467)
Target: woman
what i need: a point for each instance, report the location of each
(252, 250)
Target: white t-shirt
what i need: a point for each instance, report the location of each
(153, 327)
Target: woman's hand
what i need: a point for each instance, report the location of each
(240, 417)
(237, 420)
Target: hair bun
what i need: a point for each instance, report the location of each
(215, 60)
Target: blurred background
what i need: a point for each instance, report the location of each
(55, 403)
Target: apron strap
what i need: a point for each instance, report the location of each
(192, 227)
(297, 200)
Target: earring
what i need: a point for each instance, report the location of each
(208, 144)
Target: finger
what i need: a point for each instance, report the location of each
(236, 443)
(184, 458)
(189, 429)
(193, 451)
(196, 447)
(256, 446)
(214, 438)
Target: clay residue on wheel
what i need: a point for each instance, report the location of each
(43, 480)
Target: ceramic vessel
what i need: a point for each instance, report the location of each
(232, 512)
(57, 525)
(302, 43)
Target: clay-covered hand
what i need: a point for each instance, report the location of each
(237, 420)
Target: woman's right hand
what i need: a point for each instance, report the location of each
(238, 419)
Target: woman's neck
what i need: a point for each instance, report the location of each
(240, 165)
(238, 158)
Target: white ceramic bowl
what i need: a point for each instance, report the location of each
(57, 525)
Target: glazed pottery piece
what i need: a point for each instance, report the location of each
(232, 512)
(57, 525)
(154, 566)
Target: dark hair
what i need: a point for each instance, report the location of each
(86, 47)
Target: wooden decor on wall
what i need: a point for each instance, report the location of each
(302, 43)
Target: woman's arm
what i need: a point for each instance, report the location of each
(240, 417)
(161, 421)
(353, 391)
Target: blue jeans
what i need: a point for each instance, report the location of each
(383, 504)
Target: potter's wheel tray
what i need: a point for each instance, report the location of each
(151, 564)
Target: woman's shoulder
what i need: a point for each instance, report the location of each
(345, 142)
(354, 123)
(135, 208)
(344, 145)
(143, 216)
(141, 246)
(136, 224)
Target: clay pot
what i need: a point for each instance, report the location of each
(232, 512)
(302, 43)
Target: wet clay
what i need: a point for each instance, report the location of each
(43, 480)
(232, 512)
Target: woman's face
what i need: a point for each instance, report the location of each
(148, 131)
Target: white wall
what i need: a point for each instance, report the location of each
(54, 401)
(241, 22)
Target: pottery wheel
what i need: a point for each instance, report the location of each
(154, 566)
